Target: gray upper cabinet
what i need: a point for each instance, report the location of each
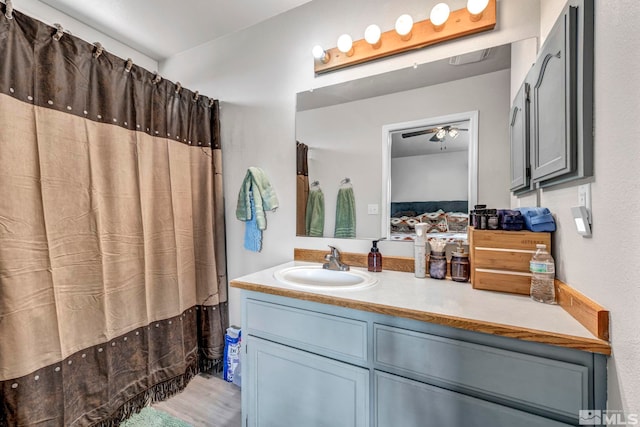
(519, 136)
(561, 105)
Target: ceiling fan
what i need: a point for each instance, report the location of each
(439, 133)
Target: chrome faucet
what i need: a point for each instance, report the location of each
(333, 261)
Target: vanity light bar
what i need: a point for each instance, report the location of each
(460, 23)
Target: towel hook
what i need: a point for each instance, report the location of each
(345, 181)
(59, 32)
(9, 10)
(315, 183)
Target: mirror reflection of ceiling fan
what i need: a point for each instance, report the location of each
(439, 133)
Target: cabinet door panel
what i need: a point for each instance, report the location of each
(403, 402)
(290, 387)
(554, 103)
(519, 139)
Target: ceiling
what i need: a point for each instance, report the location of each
(162, 28)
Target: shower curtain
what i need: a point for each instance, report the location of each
(302, 187)
(112, 247)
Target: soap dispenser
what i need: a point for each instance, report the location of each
(375, 258)
(420, 250)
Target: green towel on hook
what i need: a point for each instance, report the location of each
(345, 213)
(314, 220)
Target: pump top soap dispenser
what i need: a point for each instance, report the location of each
(375, 258)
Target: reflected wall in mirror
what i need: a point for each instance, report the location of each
(429, 176)
(342, 127)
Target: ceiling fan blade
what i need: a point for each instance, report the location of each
(435, 138)
(419, 132)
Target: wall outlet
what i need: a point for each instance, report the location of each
(372, 209)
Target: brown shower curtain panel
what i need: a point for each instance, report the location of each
(112, 247)
(302, 187)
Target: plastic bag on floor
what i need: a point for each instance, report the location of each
(232, 344)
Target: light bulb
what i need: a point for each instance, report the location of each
(453, 133)
(441, 133)
(476, 7)
(404, 24)
(320, 54)
(439, 15)
(372, 35)
(345, 44)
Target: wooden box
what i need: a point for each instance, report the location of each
(500, 259)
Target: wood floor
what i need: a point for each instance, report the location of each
(208, 401)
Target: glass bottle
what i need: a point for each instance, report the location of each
(437, 265)
(460, 267)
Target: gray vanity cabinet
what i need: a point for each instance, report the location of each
(519, 139)
(312, 364)
(561, 106)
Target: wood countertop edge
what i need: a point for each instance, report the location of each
(592, 345)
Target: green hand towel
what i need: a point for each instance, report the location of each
(345, 213)
(314, 221)
(264, 197)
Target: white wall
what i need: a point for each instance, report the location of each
(604, 267)
(433, 177)
(346, 140)
(45, 13)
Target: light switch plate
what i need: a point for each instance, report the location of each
(584, 196)
(372, 209)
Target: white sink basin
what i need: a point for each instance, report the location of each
(316, 277)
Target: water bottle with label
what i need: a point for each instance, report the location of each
(543, 272)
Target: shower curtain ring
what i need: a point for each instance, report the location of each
(128, 65)
(178, 88)
(99, 50)
(211, 101)
(156, 78)
(196, 96)
(9, 10)
(59, 32)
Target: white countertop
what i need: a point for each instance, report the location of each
(456, 304)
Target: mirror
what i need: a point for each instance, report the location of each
(347, 127)
(429, 175)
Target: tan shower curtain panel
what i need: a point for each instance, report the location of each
(112, 268)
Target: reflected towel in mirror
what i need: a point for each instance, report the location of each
(345, 213)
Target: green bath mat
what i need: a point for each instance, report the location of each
(149, 417)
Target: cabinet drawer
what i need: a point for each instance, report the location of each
(400, 401)
(506, 259)
(506, 376)
(337, 337)
(502, 281)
